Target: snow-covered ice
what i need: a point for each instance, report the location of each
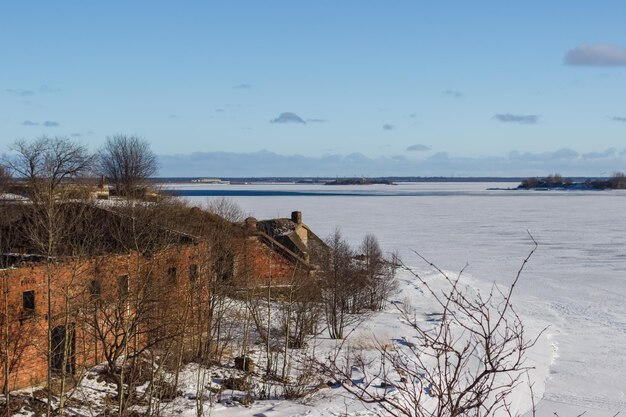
(576, 282)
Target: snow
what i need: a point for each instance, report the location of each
(13, 197)
(376, 329)
(575, 283)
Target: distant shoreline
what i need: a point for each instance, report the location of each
(326, 180)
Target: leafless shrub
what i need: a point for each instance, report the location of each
(467, 363)
(226, 209)
(305, 382)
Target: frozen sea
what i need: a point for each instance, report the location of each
(576, 282)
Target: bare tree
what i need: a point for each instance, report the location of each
(618, 180)
(47, 162)
(378, 275)
(466, 364)
(16, 334)
(49, 166)
(301, 311)
(13, 334)
(128, 162)
(337, 284)
(300, 314)
(136, 311)
(5, 178)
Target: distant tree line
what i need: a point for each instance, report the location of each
(617, 181)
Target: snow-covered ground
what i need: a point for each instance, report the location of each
(386, 328)
(576, 282)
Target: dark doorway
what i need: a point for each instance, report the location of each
(59, 348)
(225, 267)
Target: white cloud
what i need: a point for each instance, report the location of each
(288, 117)
(598, 55)
(453, 94)
(418, 147)
(524, 119)
(264, 163)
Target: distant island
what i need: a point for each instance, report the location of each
(210, 181)
(359, 181)
(556, 182)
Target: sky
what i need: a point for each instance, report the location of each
(243, 88)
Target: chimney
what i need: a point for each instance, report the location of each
(296, 217)
(251, 223)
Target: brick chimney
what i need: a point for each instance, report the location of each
(296, 217)
(251, 223)
(301, 231)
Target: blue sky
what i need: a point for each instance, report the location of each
(405, 87)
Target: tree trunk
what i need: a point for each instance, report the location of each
(7, 363)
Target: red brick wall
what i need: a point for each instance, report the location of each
(70, 284)
(259, 261)
(254, 261)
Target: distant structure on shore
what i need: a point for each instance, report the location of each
(359, 181)
(210, 181)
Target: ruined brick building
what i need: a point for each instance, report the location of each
(126, 276)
